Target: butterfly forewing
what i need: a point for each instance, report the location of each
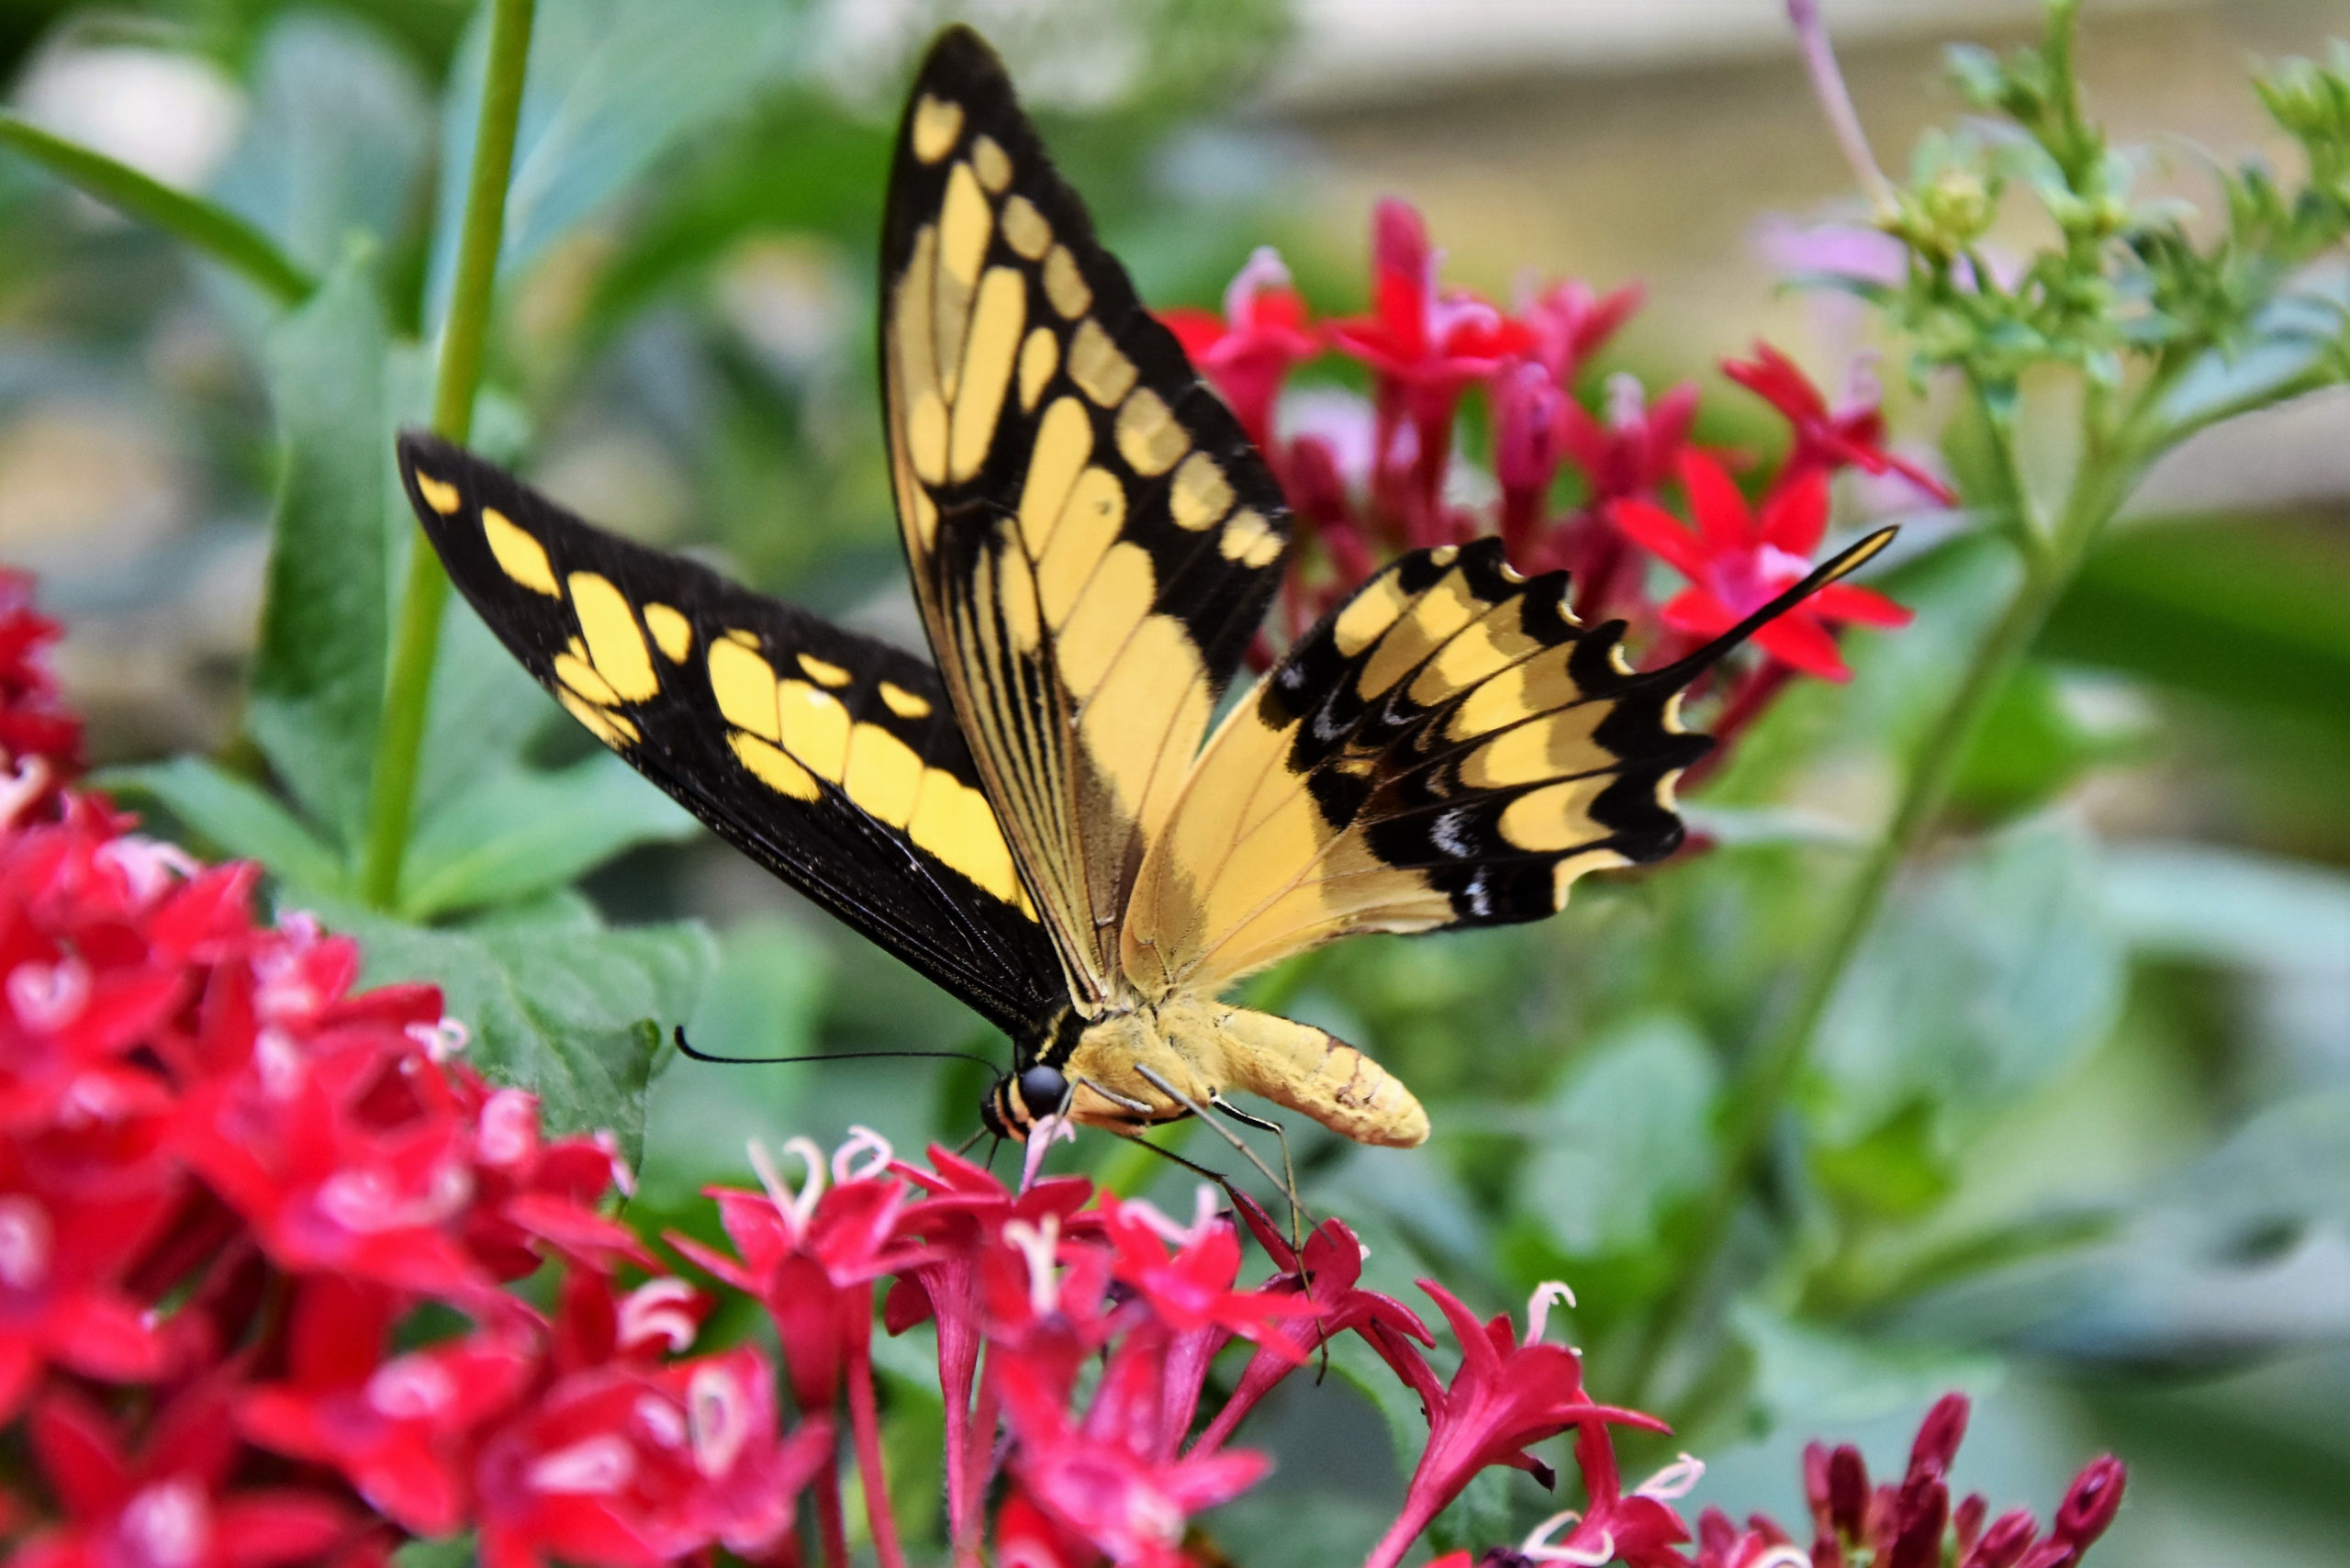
(1448, 748)
(833, 759)
(1092, 538)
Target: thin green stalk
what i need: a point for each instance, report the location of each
(215, 230)
(416, 645)
(1778, 1063)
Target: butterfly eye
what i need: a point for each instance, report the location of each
(1042, 1090)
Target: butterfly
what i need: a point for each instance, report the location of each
(1049, 821)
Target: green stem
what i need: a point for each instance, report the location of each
(1777, 1065)
(215, 230)
(416, 645)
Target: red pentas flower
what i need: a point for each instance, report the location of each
(1827, 440)
(1739, 558)
(1247, 353)
(41, 738)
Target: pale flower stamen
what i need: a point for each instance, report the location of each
(1675, 1480)
(865, 1141)
(1040, 1244)
(1550, 1293)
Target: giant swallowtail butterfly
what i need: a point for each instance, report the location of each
(1042, 821)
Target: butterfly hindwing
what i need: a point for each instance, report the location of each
(833, 759)
(1093, 540)
(1448, 747)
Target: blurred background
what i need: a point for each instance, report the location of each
(2082, 1126)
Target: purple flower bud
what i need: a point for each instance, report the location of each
(1814, 1482)
(1848, 1492)
(2004, 1544)
(2090, 1505)
(1967, 1521)
(1919, 1512)
(1939, 1436)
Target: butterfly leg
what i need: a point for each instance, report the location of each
(1159, 1082)
(1289, 1167)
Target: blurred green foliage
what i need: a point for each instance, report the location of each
(2075, 1115)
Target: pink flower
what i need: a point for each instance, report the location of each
(41, 738)
(169, 1507)
(1738, 560)
(1436, 342)
(1249, 352)
(1570, 323)
(1186, 1275)
(62, 1259)
(1826, 440)
(1505, 1397)
(1637, 445)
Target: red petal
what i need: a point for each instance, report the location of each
(1661, 535)
(1721, 511)
(259, 1530)
(1796, 515)
(1696, 610)
(1796, 638)
(75, 1451)
(1850, 602)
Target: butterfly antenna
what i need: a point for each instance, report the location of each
(1684, 670)
(994, 1145)
(685, 1047)
(965, 1146)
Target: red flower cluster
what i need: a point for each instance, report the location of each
(1367, 482)
(227, 1184)
(41, 738)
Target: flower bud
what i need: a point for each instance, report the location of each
(1939, 1436)
(2005, 1542)
(2090, 1505)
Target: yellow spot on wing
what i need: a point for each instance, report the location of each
(611, 729)
(824, 672)
(1039, 357)
(937, 123)
(926, 436)
(438, 495)
(1146, 717)
(1541, 685)
(954, 822)
(1088, 525)
(744, 684)
(1368, 614)
(1199, 494)
(614, 644)
(1025, 229)
(1555, 817)
(1064, 440)
(1148, 437)
(903, 703)
(993, 164)
(578, 676)
(1112, 604)
(1438, 614)
(671, 630)
(1096, 365)
(1484, 649)
(1064, 285)
(884, 775)
(996, 320)
(773, 768)
(1564, 875)
(964, 224)
(520, 556)
(815, 728)
(1249, 539)
(1549, 746)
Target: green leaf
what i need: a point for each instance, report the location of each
(2229, 906)
(1625, 1136)
(318, 689)
(1824, 1378)
(233, 817)
(1398, 1406)
(1898, 1171)
(558, 1003)
(2033, 743)
(1985, 979)
(613, 85)
(519, 834)
(221, 234)
(454, 1551)
(336, 141)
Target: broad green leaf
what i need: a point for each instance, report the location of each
(558, 1003)
(1826, 1377)
(218, 233)
(336, 141)
(613, 85)
(1985, 978)
(1398, 1406)
(455, 1551)
(2230, 906)
(1625, 1136)
(2033, 743)
(519, 833)
(765, 998)
(317, 685)
(236, 818)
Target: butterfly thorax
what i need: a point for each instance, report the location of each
(1157, 1061)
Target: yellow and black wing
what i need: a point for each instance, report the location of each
(1092, 538)
(1450, 747)
(830, 758)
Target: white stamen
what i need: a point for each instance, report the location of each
(1048, 1131)
(720, 1415)
(20, 786)
(171, 1523)
(148, 865)
(865, 1141)
(439, 1040)
(599, 1467)
(622, 1177)
(794, 1207)
(1263, 270)
(663, 1420)
(277, 1062)
(1040, 1244)
(410, 1388)
(1539, 1538)
(1782, 1557)
(1538, 1306)
(1628, 401)
(657, 1306)
(27, 1241)
(509, 1128)
(1153, 1218)
(45, 997)
(1675, 1480)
